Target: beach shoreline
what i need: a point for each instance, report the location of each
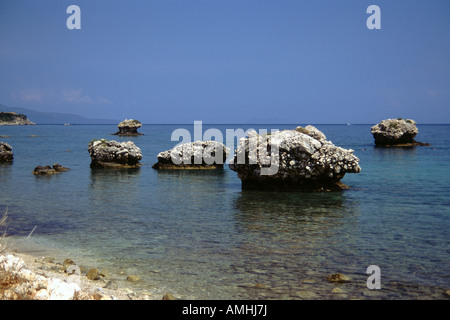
(104, 287)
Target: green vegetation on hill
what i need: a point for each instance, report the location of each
(11, 116)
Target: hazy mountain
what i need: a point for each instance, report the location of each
(55, 118)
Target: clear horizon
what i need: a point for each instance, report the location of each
(233, 62)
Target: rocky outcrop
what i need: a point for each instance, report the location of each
(14, 119)
(113, 154)
(396, 132)
(193, 155)
(19, 283)
(129, 127)
(6, 154)
(46, 170)
(300, 159)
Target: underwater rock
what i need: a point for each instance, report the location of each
(133, 278)
(129, 127)
(396, 132)
(113, 154)
(300, 159)
(193, 155)
(338, 277)
(6, 154)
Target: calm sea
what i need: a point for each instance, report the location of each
(199, 236)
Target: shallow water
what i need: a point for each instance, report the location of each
(199, 236)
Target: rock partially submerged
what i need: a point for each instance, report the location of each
(129, 127)
(396, 133)
(300, 159)
(45, 170)
(6, 154)
(113, 154)
(193, 155)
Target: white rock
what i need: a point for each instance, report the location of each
(304, 159)
(41, 295)
(60, 290)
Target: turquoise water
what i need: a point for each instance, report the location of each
(199, 236)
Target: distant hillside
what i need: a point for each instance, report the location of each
(14, 119)
(55, 118)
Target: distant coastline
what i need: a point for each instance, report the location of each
(55, 118)
(14, 119)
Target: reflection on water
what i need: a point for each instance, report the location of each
(290, 202)
(290, 212)
(394, 152)
(110, 185)
(193, 173)
(5, 172)
(288, 237)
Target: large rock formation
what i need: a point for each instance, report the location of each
(194, 155)
(14, 119)
(396, 132)
(129, 127)
(105, 154)
(6, 154)
(300, 159)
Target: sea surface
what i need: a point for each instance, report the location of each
(197, 235)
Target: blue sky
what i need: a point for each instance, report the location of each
(228, 61)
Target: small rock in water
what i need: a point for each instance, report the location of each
(44, 170)
(168, 296)
(133, 278)
(396, 132)
(93, 274)
(129, 127)
(111, 285)
(338, 277)
(337, 290)
(261, 286)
